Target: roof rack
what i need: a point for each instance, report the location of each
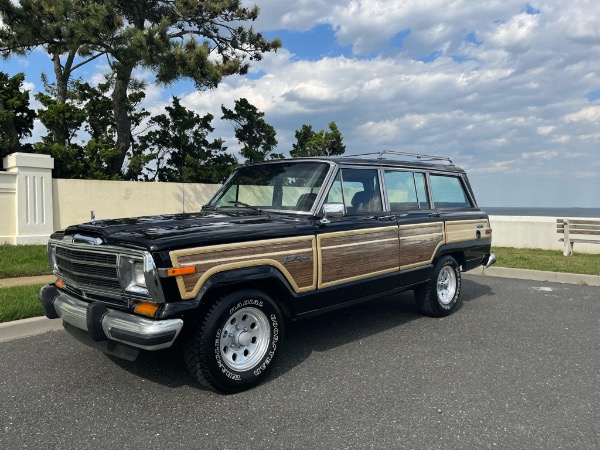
(418, 156)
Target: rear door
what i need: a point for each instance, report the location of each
(420, 227)
(467, 227)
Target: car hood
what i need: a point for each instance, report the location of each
(166, 232)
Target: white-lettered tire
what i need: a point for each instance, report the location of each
(237, 342)
(439, 296)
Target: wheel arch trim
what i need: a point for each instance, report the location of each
(237, 268)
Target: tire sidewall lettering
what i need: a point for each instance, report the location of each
(248, 302)
(229, 374)
(274, 338)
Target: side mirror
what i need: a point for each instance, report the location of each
(332, 210)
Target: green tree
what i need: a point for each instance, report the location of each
(69, 31)
(255, 135)
(177, 148)
(203, 40)
(322, 143)
(88, 109)
(16, 118)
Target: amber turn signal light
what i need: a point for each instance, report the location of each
(146, 308)
(59, 283)
(176, 271)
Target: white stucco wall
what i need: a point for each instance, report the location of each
(532, 232)
(8, 193)
(75, 199)
(31, 219)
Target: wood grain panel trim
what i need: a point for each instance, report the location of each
(419, 243)
(465, 230)
(300, 272)
(346, 256)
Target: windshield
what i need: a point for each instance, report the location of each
(291, 186)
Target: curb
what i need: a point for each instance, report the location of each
(19, 329)
(538, 275)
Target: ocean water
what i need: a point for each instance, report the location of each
(546, 212)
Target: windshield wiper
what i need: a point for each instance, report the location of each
(244, 205)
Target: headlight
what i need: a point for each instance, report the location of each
(131, 275)
(52, 257)
(138, 274)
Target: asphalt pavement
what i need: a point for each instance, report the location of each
(516, 367)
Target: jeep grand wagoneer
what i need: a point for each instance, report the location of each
(280, 240)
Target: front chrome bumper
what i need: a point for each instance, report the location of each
(103, 323)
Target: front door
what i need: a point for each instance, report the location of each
(359, 252)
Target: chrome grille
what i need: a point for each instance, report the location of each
(106, 259)
(89, 270)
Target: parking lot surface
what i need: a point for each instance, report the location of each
(518, 366)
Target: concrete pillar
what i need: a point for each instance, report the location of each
(34, 219)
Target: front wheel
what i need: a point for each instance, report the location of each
(439, 296)
(237, 342)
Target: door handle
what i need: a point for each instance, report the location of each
(435, 215)
(386, 218)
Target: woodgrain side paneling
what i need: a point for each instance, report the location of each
(354, 255)
(294, 257)
(465, 230)
(419, 243)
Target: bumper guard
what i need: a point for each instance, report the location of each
(103, 323)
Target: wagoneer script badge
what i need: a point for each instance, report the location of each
(295, 258)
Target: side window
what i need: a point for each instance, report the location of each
(448, 192)
(406, 190)
(358, 189)
(335, 193)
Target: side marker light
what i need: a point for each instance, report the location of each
(176, 271)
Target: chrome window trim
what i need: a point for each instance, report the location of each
(339, 168)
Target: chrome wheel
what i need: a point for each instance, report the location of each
(245, 338)
(446, 285)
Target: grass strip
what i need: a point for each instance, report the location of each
(20, 302)
(549, 260)
(23, 260)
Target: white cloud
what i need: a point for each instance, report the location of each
(27, 86)
(513, 32)
(545, 130)
(544, 154)
(588, 114)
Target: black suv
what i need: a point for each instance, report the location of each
(280, 240)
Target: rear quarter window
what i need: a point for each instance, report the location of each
(448, 192)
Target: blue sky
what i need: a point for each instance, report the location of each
(509, 89)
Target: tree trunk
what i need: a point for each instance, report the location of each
(59, 135)
(122, 120)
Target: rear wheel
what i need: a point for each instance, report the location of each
(235, 346)
(439, 296)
